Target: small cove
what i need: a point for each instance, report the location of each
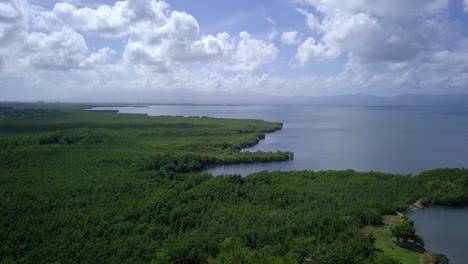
(444, 230)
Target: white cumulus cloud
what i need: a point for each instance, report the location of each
(13, 22)
(60, 50)
(310, 51)
(112, 21)
(251, 54)
(56, 51)
(161, 38)
(371, 31)
(97, 58)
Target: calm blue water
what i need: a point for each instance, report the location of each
(403, 140)
(444, 231)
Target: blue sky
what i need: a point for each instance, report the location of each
(57, 50)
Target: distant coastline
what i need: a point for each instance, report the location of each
(146, 98)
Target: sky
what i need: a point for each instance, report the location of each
(63, 50)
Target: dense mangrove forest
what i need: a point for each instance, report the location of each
(79, 186)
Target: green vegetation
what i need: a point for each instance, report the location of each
(384, 241)
(405, 234)
(86, 187)
(12, 112)
(444, 187)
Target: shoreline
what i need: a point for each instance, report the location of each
(415, 205)
(426, 257)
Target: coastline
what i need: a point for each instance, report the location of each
(415, 205)
(385, 241)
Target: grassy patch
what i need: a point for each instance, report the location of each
(385, 243)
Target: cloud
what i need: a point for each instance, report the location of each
(13, 22)
(154, 35)
(311, 20)
(372, 31)
(162, 38)
(97, 58)
(112, 21)
(177, 40)
(60, 50)
(290, 38)
(377, 7)
(251, 54)
(310, 52)
(465, 8)
(442, 72)
(389, 47)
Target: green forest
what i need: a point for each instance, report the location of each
(79, 186)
